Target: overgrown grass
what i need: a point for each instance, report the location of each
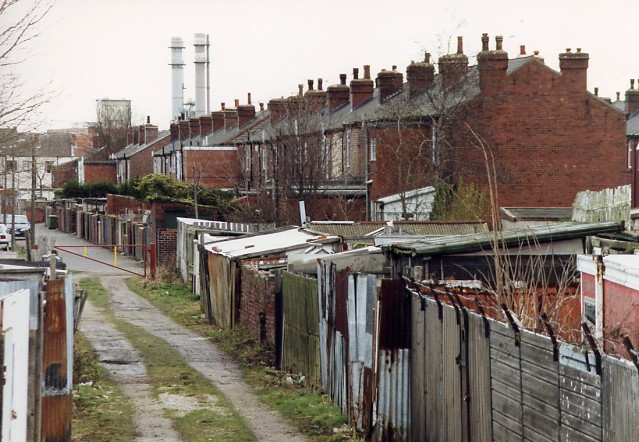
(101, 412)
(201, 412)
(311, 412)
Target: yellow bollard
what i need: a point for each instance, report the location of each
(85, 251)
(115, 256)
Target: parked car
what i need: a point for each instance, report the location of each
(5, 237)
(22, 224)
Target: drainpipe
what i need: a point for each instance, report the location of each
(599, 298)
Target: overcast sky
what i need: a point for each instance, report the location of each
(91, 49)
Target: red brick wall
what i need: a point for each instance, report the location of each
(166, 246)
(118, 204)
(141, 163)
(64, 173)
(548, 139)
(215, 168)
(621, 313)
(258, 300)
(97, 172)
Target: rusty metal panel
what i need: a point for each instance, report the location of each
(56, 401)
(392, 411)
(418, 392)
(432, 371)
(360, 307)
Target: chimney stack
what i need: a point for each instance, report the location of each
(453, 66)
(149, 132)
(361, 89)
(277, 108)
(230, 116)
(183, 127)
(574, 68)
(338, 94)
(218, 118)
(493, 65)
(389, 83)
(632, 98)
(316, 97)
(245, 112)
(420, 76)
(206, 124)
(175, 132)
(194, 127)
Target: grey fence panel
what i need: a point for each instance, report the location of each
(418, 391)
(505, 384)
(433, 372)
(479, 370)
(540, 388)
(451, 380)
(580, 397)
(619, 402)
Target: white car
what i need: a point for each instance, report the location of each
(5, 237)
(21, 222)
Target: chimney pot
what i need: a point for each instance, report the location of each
(342, 79)
(310, 85)
(499, 40)
(632, 83)
(261, 107)
(427, 57)
(300, 88)
(484, 42)
(394, 67)
(249, 98)
(355, 73)
(367, 71)
(568, 49)
(319, 84)
(148, 119)
(578, 50)
(618, 93)
(460, 45)
(223, 106)
(522, 50)
(237, 103)
(596, 92)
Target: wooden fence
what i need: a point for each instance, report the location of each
(478, 379)
(300, 340)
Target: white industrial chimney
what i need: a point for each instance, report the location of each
(201, 74)
(177, 78)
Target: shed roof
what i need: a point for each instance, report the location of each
(484, 241)
(268, 243)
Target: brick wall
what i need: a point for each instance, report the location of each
(64, 173)
(118, 204)
(97, 171)
(166, 246)
(218, 169)
(257, 308)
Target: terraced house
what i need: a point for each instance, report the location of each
(535, 133)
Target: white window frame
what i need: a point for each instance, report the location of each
(373, 149)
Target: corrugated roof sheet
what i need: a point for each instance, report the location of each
(483, 241)
(268, 243)
(352, 230)
(537, 213)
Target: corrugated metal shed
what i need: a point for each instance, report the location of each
(483, 241)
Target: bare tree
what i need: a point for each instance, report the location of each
(20, 20)
(300, 156)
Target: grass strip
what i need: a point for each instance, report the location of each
(101, 411)
(200, 411)
(312, 413)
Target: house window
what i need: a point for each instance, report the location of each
(11, 165)
(27, 165)
(347, 153)
(264, 158)
(630, 154)
(589, 311)
(373, 149)
(48, 166)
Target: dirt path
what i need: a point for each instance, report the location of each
(202, 355)
(124, 363)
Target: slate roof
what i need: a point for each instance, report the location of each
(132, 149)
(632, 125)
(483, 241)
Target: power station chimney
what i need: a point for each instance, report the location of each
(201, 74)
(177, 78)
